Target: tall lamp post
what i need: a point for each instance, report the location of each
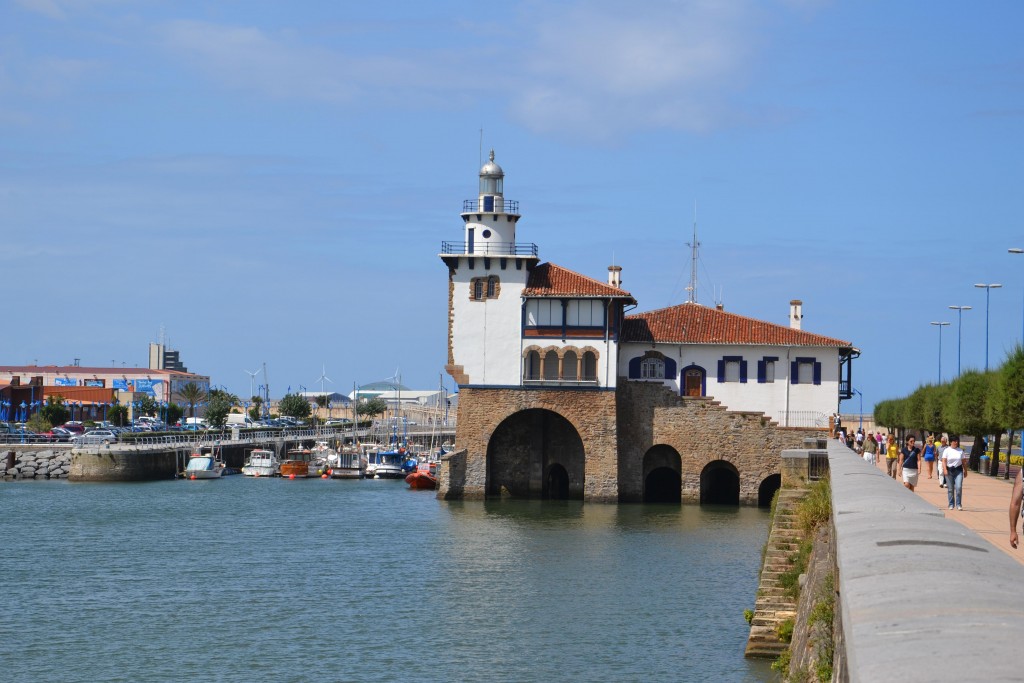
(940, 326)
(1015, 250)
(988, 291)
(959, 332)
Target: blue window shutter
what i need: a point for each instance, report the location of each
(817, 372)
(743, 372)
(634, 368)
(794, 372)
(761, 372)
(670, 368)
(721, 371)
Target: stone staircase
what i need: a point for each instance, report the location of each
(773, 606)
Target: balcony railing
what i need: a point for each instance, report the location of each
(505, 206)
(481, 248)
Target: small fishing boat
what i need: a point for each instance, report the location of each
(301, 462)
(204, 464)
(347, 464)
(424, 478)
(261, 463)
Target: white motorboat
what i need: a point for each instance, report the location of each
(261, 463)
(204, 465)
(346, 465)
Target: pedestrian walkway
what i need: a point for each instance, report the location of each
(986, 506)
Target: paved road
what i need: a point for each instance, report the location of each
(986, 505)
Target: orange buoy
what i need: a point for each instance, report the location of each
(291, 476)
(193, 477)
(323, 476)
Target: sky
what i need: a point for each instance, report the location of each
(270, 182)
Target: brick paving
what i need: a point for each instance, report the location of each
(986, 506)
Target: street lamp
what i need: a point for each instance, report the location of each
(1015, 250)
(988, 291)
(959, 332)
(940, 326)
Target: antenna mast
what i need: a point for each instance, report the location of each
(694, 247)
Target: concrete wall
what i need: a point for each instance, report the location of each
(920, 596)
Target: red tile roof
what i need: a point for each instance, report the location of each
(547, 279)
(695, 324)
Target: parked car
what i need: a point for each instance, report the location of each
(103, 436)
(59, 434)
(76, 427)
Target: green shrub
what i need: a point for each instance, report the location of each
(748, 614)
(785, 631)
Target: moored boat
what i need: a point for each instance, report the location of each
(347, 464)
(301, 463)
(204, 464)
(424, 478)
(261, 463)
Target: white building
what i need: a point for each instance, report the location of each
(517, 323)
(794, 377)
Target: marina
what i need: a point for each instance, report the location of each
(510, 590)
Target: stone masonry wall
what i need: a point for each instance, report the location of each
(591, 413)
(701, 431)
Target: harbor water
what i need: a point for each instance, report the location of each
(243, 579)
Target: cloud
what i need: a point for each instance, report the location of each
(594, 70)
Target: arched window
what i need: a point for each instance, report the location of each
(492, 287)
(531, 366)
(589, 366)
(570, 366)
(478, 289)
(551, 365)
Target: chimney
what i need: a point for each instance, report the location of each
(615, 276)
(719, 306)
(796, 313)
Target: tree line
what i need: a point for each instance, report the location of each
(974, 404)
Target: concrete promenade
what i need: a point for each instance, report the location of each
(986, 502)
(922, 595)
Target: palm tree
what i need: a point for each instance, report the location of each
(192, 394)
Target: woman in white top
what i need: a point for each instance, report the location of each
(953, 467)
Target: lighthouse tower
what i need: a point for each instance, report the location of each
(487, 272)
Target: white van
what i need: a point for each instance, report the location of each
(239, 420)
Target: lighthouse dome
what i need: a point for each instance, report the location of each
(492, 169)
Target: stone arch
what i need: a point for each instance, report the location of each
(662, 475)
(531, 362)
(588, 363)
(535, 453)
(720, 484)
(766, 491)
(556, 483)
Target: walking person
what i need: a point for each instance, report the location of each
(953, 468)
(892, 454)
(928, 455)
(943, 444)
(1015, 502)
(871, 450)
(910, 463)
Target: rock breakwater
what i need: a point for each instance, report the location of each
(35, 464)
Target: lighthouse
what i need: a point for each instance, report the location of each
(487, 272)
(491, 220)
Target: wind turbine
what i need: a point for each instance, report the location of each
(252, 382)
(324, 378)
